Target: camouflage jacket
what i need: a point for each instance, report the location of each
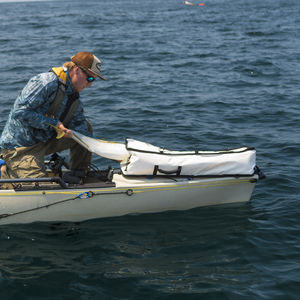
(27, 122)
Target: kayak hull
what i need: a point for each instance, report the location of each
(128, 196)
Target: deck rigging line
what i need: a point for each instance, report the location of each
(84, 195)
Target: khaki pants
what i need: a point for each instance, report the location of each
(28, 162)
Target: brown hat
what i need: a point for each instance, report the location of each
(89, 62)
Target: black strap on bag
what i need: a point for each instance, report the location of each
(176, 171)
(70, 109)
(71, 105)
(60, 94)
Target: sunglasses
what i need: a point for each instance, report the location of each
(89, 78)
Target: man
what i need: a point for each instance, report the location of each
(49, 105)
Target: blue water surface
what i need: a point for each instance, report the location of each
(209, 77)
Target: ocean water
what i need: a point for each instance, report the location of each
(209, 77)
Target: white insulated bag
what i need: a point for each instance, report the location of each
(146, 159)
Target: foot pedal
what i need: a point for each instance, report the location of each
(74, 176)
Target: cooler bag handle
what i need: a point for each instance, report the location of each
(176, 171)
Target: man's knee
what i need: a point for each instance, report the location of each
(25, 162)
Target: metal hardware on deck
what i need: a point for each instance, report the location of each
(129, 192)
(259, 172)
(85, 195)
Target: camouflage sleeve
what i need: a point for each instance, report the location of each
(35, 99)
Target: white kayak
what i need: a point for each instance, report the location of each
(120, 197)
(117, 193)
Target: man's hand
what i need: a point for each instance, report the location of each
(62, 131)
